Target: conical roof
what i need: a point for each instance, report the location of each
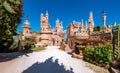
(26, 23)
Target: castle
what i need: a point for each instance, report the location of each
(47, 36)
(83, 35)
(79, 34)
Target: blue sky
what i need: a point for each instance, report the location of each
(69, 10)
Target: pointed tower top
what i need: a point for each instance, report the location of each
(90, 20)
(26, 23)
(57, 21)
(46, 12)
(73, 21)
(41, 14)
(82, 22)
(91, 15)
(86, 24)
(61, 22)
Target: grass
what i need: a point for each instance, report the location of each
(36, 49)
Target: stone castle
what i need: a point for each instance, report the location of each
(83, 35)
(79, 34)
(46, 36)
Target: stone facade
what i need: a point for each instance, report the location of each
(84, 35)
(46, 36)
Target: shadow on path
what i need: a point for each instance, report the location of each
(9, 56)
(47, 67)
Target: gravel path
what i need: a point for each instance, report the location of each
(51, 60)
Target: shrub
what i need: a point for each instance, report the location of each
(99, 55)
(28, 43)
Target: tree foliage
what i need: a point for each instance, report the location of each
(97, 28)
(10, 13)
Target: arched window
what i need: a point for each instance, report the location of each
(39, 39)
(27, 31)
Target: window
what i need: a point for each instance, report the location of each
(27, 31)
(39, 39)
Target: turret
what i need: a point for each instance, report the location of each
(47, 14)
(26, 27)
(59, 25)
(44, 22)
(41, 15)
(82, 22)
(57, 21)
(104, 20)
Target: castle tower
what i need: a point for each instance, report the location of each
(47, 15)
(70, 30)
(57, 21)
(82, 22)
(44, 22)
(90, 23)
(104, 20)
(26, 27)
(59, 26)
(90, 20)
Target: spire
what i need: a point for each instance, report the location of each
(61, 24)
(73, 21)
(47, 12)
(57, 21)
(86, 24)
(90, 20)
(82, 23)
(91, 15)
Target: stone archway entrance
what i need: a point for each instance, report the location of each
(53, 42)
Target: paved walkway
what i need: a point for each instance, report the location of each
(51, 60)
